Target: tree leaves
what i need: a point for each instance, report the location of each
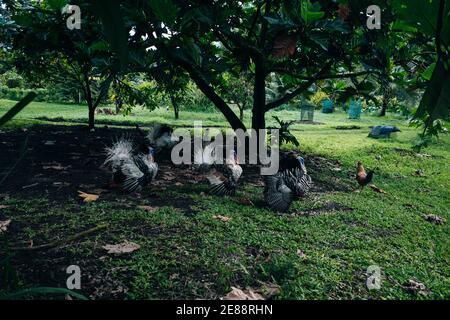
(310, 12)
(111, 16)
(165, 10)
(284, 45)
(436, 99)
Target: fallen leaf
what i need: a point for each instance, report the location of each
(434, 219)
(222, 218)
(58, 167)
(61, 184)
(4, 225)
(30, 185)
(416, 287)
(266, 291)
(148, 208)
(238, 294)
(245, 201)
(301, 254)
(87, 197)
(125, 247)
(376, 189)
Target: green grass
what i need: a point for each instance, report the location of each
(196, 256)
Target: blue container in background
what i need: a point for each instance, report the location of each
(354, 111)
(327, 106)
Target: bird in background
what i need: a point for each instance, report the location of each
(362, 177)
(223, 176)
(131, 169)
(291, 182)
(383, 132)
(159, 137)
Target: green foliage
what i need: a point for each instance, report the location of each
(285, 134)
(318, 97)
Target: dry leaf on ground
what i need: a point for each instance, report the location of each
(4, 225)
(376, 189)
(57, 167)
(416, 287)
(266, 291)
(148, 208)
(87, 197)
(238, 294)
(222, 218)
(434, 219)
(125, 247)
(61, 184)
(301, 254)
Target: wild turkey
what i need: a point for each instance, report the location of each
(160, 137)
(291, 182)
(223, 177)
(131, 170)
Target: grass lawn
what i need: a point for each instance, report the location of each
(321, 250)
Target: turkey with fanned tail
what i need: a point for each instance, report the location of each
(131, 170)
(224, 175)
(291, 182)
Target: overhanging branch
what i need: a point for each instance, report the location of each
(287, 97)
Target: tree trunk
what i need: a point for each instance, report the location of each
(384, 107)
(259, 97)
(259, 102)
(175, 107)
(241, 111)
(91, 118)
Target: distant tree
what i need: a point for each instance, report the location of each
(45, 49)
(237, 90)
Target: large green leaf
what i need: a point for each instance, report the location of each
(165, 10)
(435, 102)
(423, 14)
(17, 108)
(111, 16)
(56, 4)
(310, 12)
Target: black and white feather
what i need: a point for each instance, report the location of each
(223, 176)
(290, 183)
(160, 137)
(131, 170)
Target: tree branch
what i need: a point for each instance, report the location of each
(324, 77)
(207, 90)
(287, 97)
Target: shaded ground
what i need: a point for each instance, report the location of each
(185, 251)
